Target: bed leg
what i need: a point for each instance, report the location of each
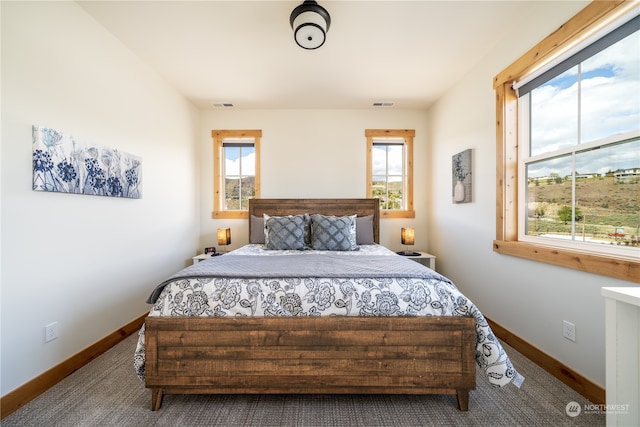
(463, 399)
(156, 398)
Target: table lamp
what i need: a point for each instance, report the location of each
(224, 237)
(407, 237)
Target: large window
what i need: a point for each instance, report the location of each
(236, 171)
(580, 147)
(390, 170)
(568, 142)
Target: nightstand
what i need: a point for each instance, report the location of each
(425, 259)
(196, 259)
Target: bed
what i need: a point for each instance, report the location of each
(342, 315)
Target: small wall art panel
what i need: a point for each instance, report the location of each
(65, 164)
(461, 177)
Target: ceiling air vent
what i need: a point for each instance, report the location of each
(383, 104)
(223, 105)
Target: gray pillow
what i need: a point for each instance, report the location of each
(257, 230)
(364, 230)
(284, 232)
(307, 230)
(331, 233)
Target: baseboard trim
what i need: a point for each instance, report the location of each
(568, 376)
(19, 397)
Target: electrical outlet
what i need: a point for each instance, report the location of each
(51, 332)
(569, 330)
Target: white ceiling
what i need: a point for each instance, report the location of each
(243, 52)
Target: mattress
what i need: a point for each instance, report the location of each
(370, 281)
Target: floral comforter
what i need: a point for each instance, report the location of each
(420, 292)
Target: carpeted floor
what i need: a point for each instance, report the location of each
(107, 392)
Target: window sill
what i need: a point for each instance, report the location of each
(397, 214)
(612, 266)
(230, 214)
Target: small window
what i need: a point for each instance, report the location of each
(390, 171)
(236, 171)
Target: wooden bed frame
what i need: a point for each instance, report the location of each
(311, 355)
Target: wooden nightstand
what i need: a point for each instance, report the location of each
(425, 259)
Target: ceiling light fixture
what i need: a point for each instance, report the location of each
(310, 23)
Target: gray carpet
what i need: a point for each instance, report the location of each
(106, 392)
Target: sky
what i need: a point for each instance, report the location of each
(395, 161)
(610, 104)
(598, 161)
(232, 163)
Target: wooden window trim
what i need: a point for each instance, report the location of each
(594, 17)
(408, 135)
(218, 136)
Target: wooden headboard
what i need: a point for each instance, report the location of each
(337, 207)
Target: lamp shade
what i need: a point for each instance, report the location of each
(310, 23)
(408, 236)
(224, 236)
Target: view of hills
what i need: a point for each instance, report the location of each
(607, 209)
(232, 190)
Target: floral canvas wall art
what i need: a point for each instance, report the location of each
(64, 164)
(462, 187)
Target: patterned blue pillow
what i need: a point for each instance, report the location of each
(284, 232)
(331, 233)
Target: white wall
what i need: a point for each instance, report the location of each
(315, 153)
(86, 262)
(531, 299)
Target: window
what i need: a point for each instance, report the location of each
(580, 148)
(568, 146)
(236, 171)
(390, 171)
